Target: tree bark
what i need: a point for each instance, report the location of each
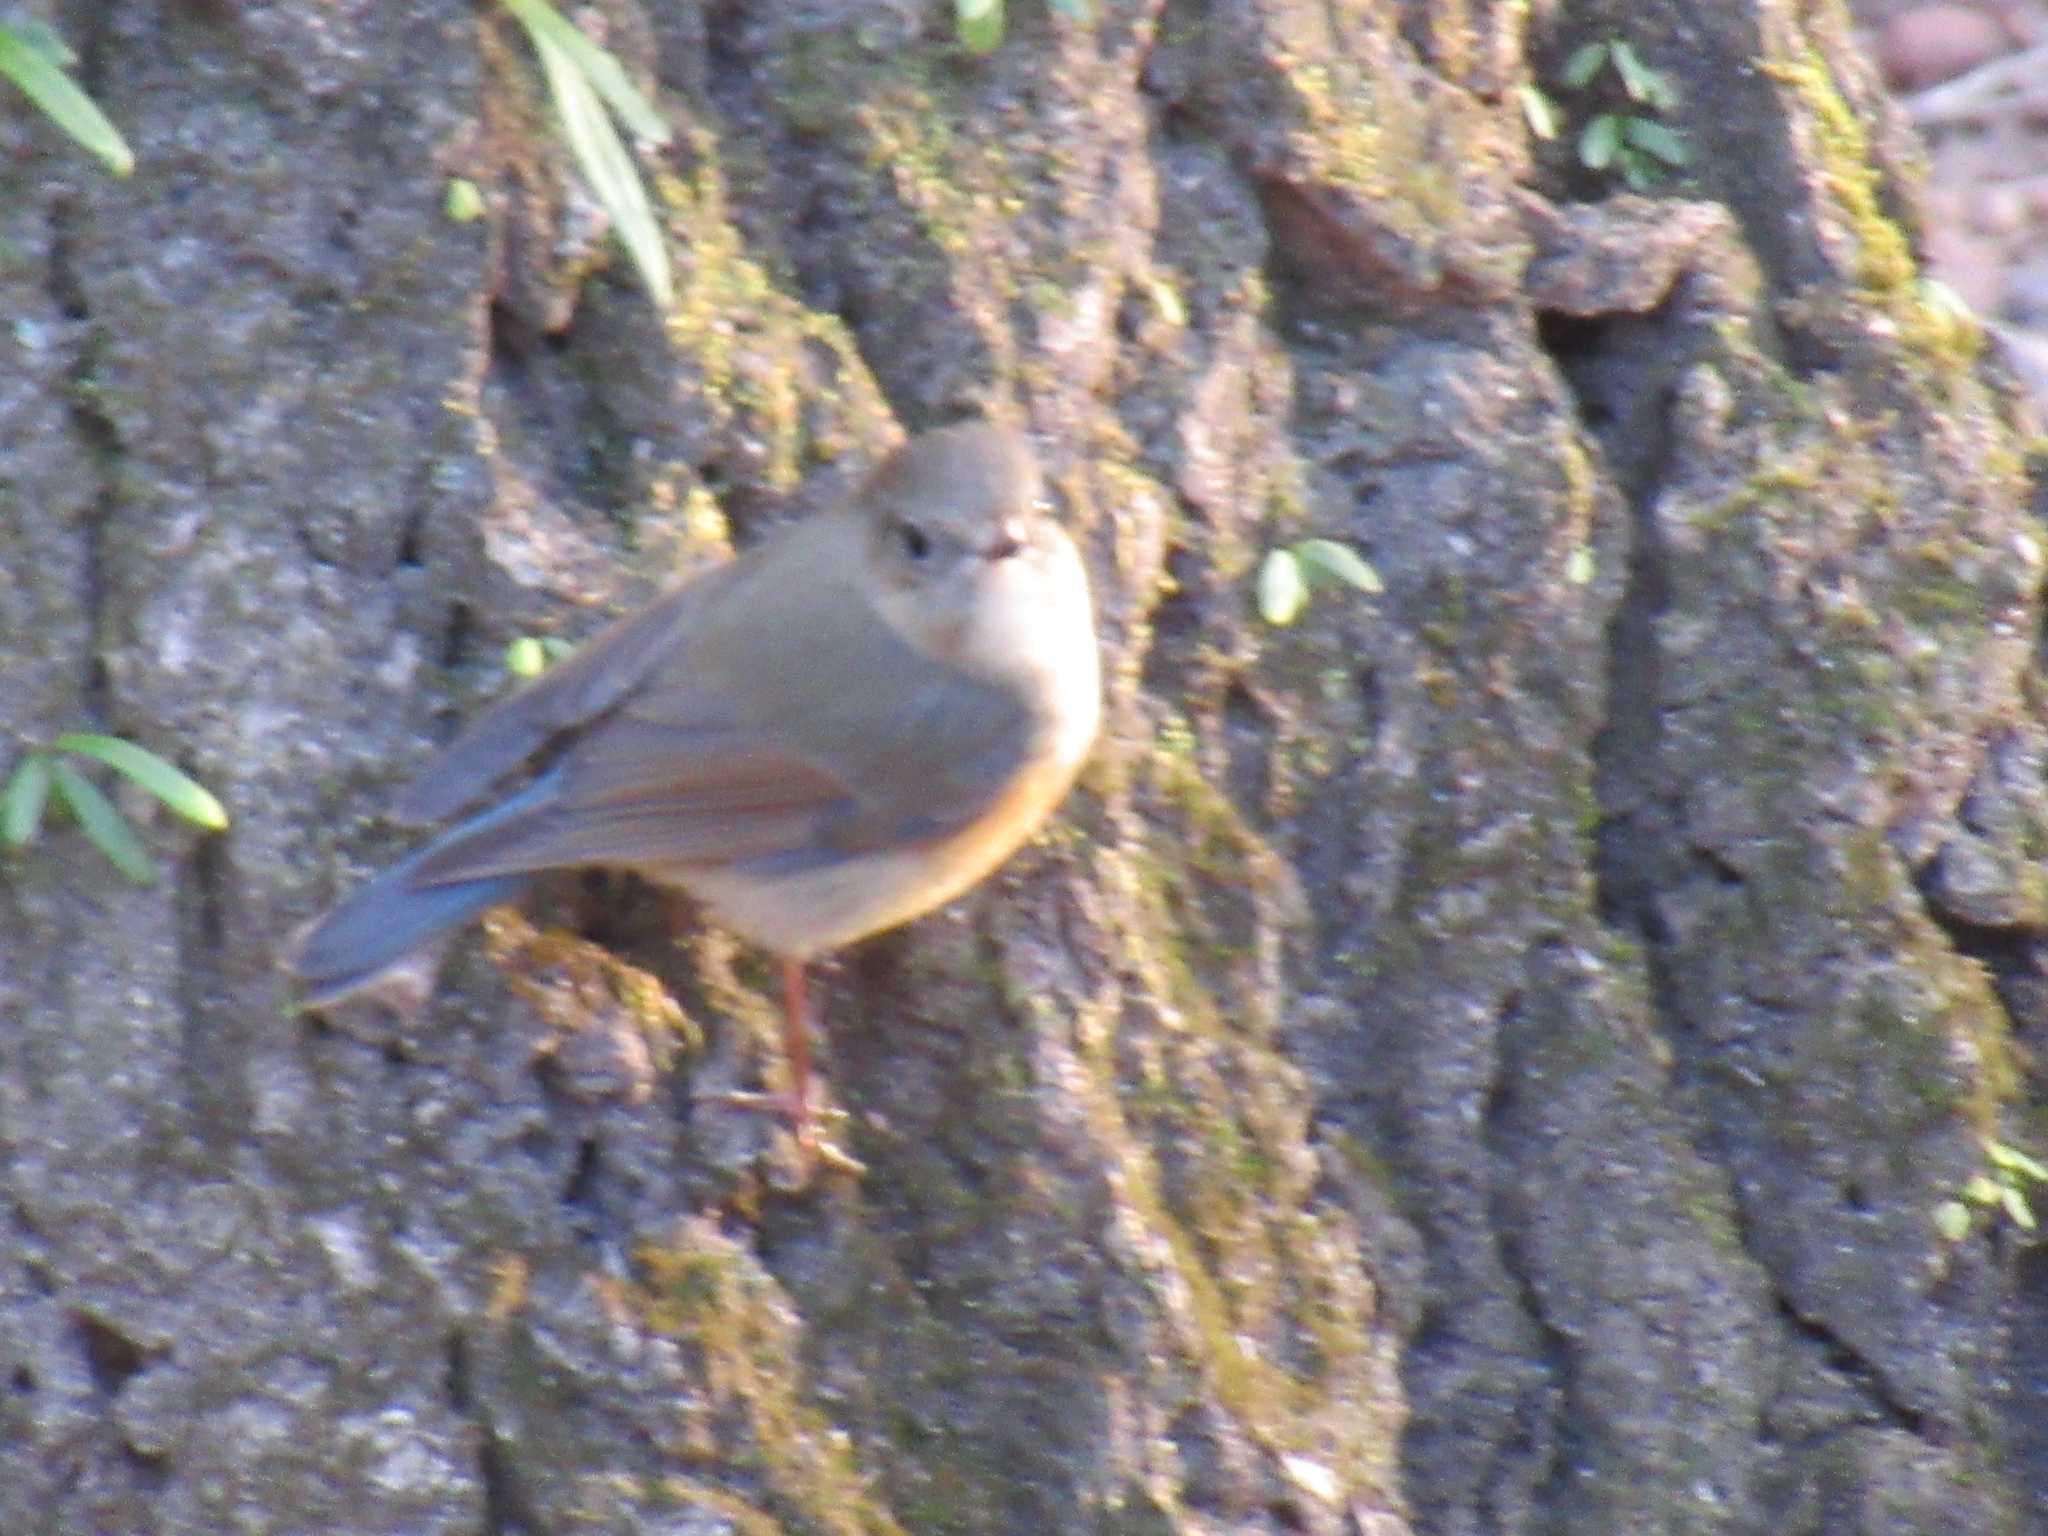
(1491, 1057)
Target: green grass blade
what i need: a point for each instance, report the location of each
(28, 66)
(43, 37)
(605, 74)
(186, 796)
(21, 804)
(607, 166)
(103, 826)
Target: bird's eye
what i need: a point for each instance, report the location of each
(915, 542)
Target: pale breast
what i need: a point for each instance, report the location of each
(806, 912)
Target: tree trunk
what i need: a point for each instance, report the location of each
(1502, 1055)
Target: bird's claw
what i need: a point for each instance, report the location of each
(803, 1119)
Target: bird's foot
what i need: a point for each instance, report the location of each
(802, 1117)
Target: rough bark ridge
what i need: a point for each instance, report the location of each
(1486, 1059)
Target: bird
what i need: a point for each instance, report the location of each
(839, 730)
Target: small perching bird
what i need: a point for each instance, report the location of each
(841, 729)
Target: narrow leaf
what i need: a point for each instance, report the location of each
(2013, 1158)
(595, 64)
(2017, 1208)
(103, 826)
(1537, 111)
(1658, 139)
(1165, 302)
(1282, 591)
(21, 806)
(1982, 1189)
(43, 37)
(68, 107)
(1635, 77)
(1599, 142)
(1339, 562)
(184, 795)
(613, 177)
(1584, 64)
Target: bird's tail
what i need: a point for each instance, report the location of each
(397, 913)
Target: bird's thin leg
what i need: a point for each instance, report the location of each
(794, 1104)
(796, 1045)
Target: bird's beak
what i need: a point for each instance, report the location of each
(1009, 541)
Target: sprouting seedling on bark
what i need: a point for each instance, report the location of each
(1634, 141)
(53, 774)
(1289, 575)
(2000, 1188)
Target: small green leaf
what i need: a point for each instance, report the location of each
(1584, 64)
(2018, 1161)
(1952, 1220)
(979, 24)
(103, 826)
(593, 64)
(1165, 302)
(1283, 592)
(1658, 139)
(184, 795)
(606, 163)
(1599, 142)
(464, 203)
(21, 806)
(1579, 567)
(1635, 76)
(1338, 562)
(1982, 1189)
(1537, 111)
(525, 658)
(27, 64)
(2017, 1208)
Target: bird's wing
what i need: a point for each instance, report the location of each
(573, 693)
(645, 798)
(687, 788)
